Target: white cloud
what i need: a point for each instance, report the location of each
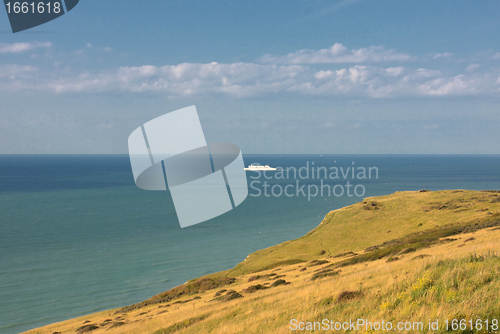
(496, 56)
(90, 49)
(242, 79)
(15, 71)
(17, 77)
(337, 53)
(23, 47)
(235, 79)
(331, 8)
(443, 55)
(472, 67)
(249, 79)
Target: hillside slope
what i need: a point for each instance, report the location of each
(409, 256)
(373, 221)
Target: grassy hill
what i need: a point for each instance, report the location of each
(405, 257)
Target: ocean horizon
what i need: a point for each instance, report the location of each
(77, 236)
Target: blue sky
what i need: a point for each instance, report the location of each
(364, 76)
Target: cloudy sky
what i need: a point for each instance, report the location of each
(353, 76)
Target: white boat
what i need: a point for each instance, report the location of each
(258, 167)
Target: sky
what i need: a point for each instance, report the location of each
(276, 77)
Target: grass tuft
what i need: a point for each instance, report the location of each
(325, 273)
(348, 295)
(255, 287)
(87, 328)
(181, 325)
(279, 282)
(317, 262)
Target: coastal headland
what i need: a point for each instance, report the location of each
(409, 259)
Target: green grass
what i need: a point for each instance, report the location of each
(372, 222)
(415, 241)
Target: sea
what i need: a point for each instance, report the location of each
(77, 236)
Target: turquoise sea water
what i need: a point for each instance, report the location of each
(77, 236)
